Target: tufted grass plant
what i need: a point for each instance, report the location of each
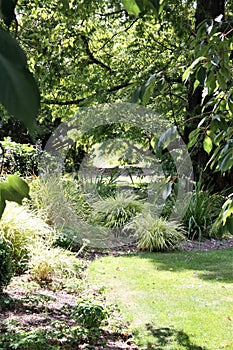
(115, 212)
(48, 265)
(203, 210)
(154, 233)
(19, 228)
(58, 200)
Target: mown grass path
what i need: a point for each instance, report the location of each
(174, 301)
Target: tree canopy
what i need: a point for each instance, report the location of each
(172, 56)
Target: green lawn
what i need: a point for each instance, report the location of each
(173, 301)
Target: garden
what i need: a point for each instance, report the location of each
(116, 158)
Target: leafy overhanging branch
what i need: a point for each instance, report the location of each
(81, 100)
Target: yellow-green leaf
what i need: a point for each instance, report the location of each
(207, 144)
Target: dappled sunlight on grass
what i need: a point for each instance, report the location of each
(190, 294)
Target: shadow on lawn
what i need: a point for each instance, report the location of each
(215, 265)
(166, 337)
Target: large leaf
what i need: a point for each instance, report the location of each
(14, 190)
(131, 7)
(135, 7)
(18, 90)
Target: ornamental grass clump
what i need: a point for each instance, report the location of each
(48, 264)
(154, 233)
(19, 228)
(115, 212)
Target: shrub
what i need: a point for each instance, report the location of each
(19, 158)
(116, 212)
(49, 264)
(155, 234)
(5, 264)
(89, 313)
(68, 238)
(20, 227)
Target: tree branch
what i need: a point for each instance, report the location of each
(92, 58)
(80, 100)
(108, 14)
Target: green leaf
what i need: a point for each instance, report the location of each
(196, 84)
(14, 190)
(229, 221)
(221, 81)
(189, 70)
(186, 74)
(207, 144)
(166, 193)
(18, 90)
(201, 75)
(7, 11)
(226, 72)
(148, 89)
(193, 137)
(155, 5)
(226, 163)
(211, 81)
(136, 96)
(19, 185)
(131, 7)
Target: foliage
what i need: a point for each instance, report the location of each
(155, 234)
(224, 222)
(73, 194)
(5, 264)
(14, 337)
(19, 93)
(202, 212)
(89, 313)
(47, 264)
(15, 190)
(107, 186)
(115, 212)
(19, 228)
(66, 331)
(19, 158)
(143, 49)
(59, 201)
(68, 238)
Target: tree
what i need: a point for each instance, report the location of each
(209, 104)
(173, 56)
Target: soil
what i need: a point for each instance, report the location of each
(41, 311)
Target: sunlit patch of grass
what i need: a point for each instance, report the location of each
(173, 301)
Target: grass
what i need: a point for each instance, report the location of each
(173, 301)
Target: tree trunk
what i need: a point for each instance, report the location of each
(206, 9)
